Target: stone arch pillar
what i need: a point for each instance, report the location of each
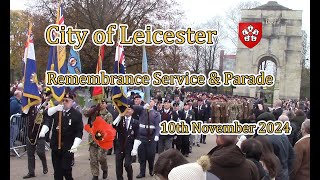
(281, 40)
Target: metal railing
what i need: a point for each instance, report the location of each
(19, 134)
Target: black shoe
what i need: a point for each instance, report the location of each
(45, 170)
(151, 173)
(95, 178)
(140, 176)
(187, 155)
(198, 145)
(105, 175)
(204, 142)
(193, 144)
(29, 176)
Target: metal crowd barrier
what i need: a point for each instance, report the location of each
(19, 134)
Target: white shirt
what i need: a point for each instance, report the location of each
(128, 119)
(186, 113)
(166, 110)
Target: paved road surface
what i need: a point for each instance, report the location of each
(81, 169)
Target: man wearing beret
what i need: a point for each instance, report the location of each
(97, 154)
(165, 141)
(71, 132)
(127, 143)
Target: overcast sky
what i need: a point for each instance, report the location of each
(199, 11)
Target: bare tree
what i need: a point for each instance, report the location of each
(97, 14)
(233, 17)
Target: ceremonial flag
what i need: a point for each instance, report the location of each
(119, 98)
(145, 71)
(98, 91)
(31, 94)
(74, 64)
(57, 57)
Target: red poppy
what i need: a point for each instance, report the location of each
(102, 133)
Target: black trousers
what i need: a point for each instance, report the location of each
(185, 143)
(61, 161)
(127, 165)
(178, 142)
(146, 152)
(203, 138)
(39, 147)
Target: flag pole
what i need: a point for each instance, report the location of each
(27, 50)
(60, 113)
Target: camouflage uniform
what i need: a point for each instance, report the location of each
(229, 103)
(240, 110)
(224, 112)
(97, 154)
(245, 110)
(234, 110)
(216, 113)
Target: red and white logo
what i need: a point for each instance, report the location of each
(250, 33)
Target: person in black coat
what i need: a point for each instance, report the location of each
(187, 115)
(277, 111)
(200, 115)
(284, 151)
(127, 143)
(71, 136)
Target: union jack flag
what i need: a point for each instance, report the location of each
(119, 96)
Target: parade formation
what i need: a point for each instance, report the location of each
(181, 119)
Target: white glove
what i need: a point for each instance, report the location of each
(156, 138)
(146, 106)
(53, 110)
(174, 137)
(117, 120)
(43, 131)
(75, 145)
(136, 144)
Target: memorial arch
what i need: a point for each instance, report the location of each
(281, 44)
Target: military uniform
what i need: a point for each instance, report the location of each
(98, 154)
(188, 116)
(216, 112)
(165, 141)
(71, 128)
(127, 132)
(223, 112)
(235, 110)
(200, 115)
(149, 129)
(245, 110)
(34, 143)
(240, 110)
